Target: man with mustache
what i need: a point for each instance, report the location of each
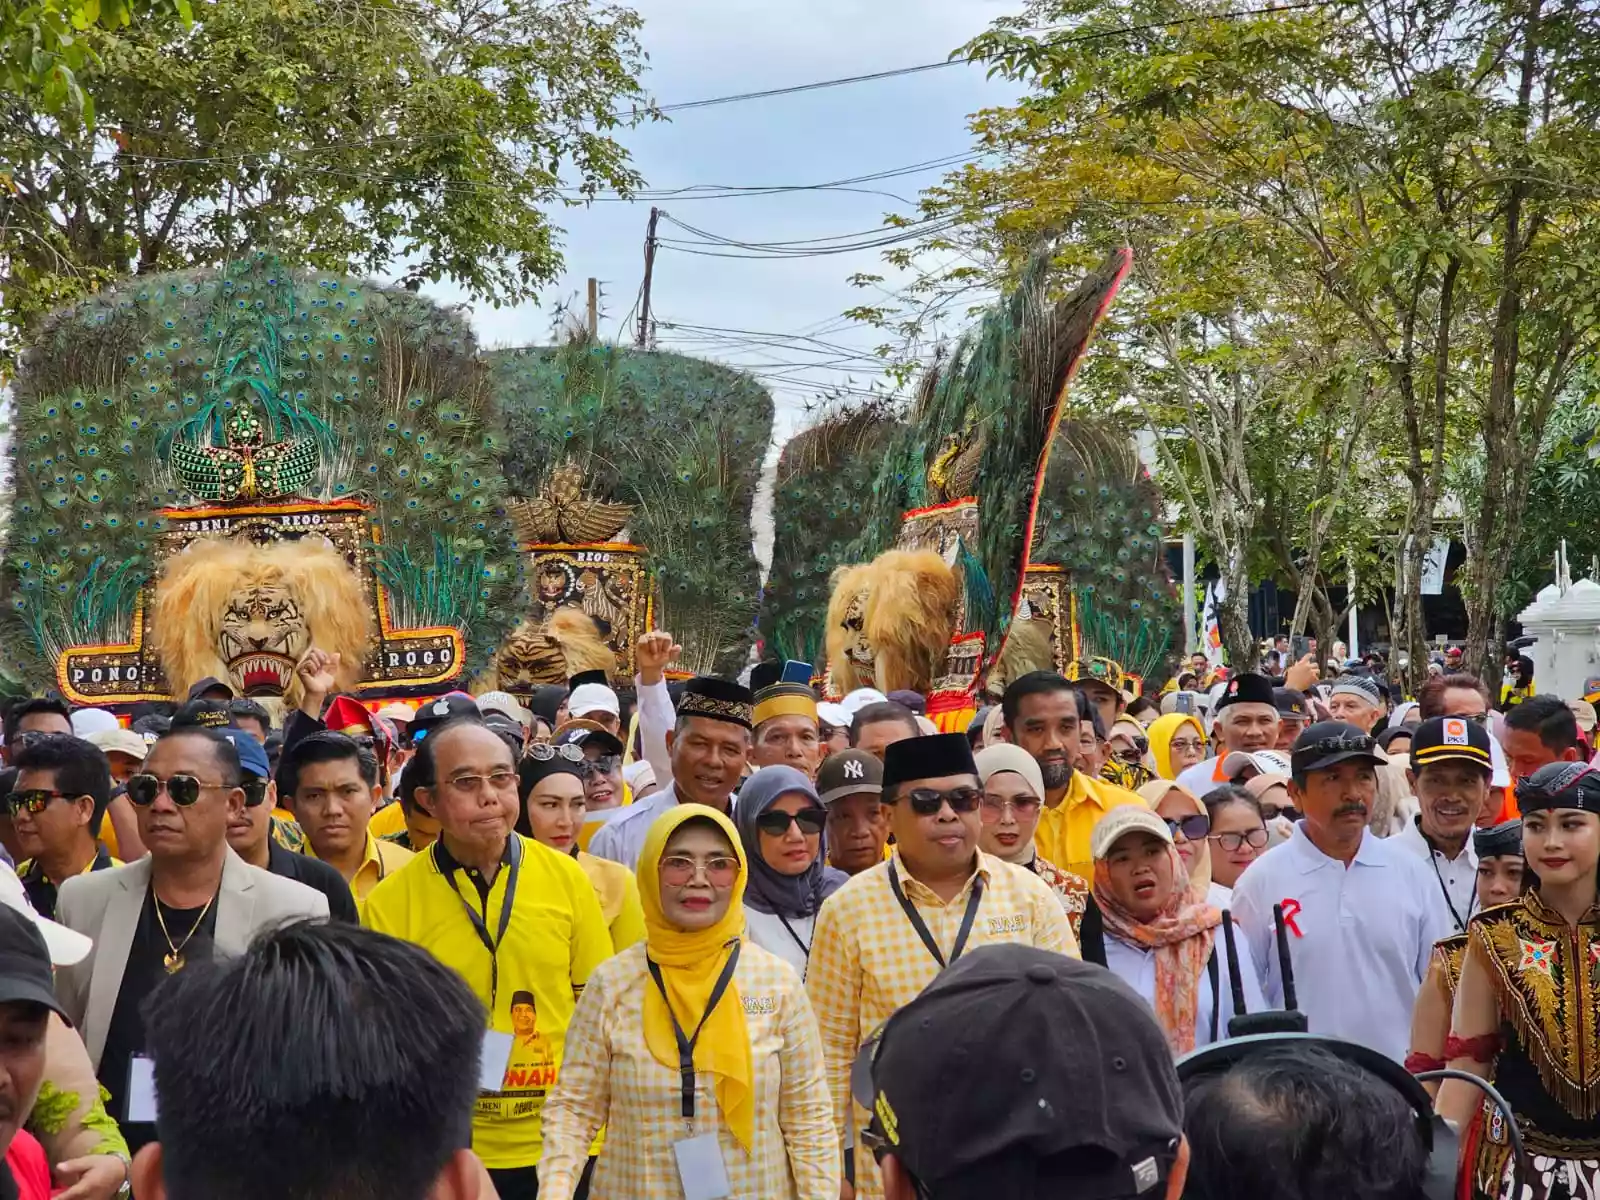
(190, 898)
(1043, 716)
(1358, 910)
(1450, 771)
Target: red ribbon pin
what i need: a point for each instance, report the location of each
(1291, 910)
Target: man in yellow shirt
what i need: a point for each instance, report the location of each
(884, 935)
(1041, 715)
(515, 919)
(331, 785)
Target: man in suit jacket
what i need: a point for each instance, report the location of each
(190, 898)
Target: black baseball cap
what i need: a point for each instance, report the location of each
(1291, 704)
(25, 972)
(1021, 1073)
(446, 708)
(1329, 743)
(1441, 738)
(211, 684)
(581, 732)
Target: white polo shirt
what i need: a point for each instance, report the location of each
(1455, 891)
(1359, 937)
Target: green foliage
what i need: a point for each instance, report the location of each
(388, 380)
(44, 50)
(682, 439)
(348, 135)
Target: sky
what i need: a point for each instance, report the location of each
(705, 48)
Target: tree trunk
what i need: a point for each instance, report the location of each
(1234, 615)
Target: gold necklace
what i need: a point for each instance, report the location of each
(173, 961)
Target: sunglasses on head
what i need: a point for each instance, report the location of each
(1194, 827)
(544, 752)
(925, 802)
(184, 789)
(777, 823)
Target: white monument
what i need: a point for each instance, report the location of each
(1564, 620)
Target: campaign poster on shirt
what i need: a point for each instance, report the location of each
(530, 1070)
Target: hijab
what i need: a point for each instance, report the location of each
(1398, 717)
(690, 962)
(1153, 794)
(1161, 732)
(1001, 757)
(770, 890)
(1181, 937)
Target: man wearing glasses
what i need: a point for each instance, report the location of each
(883, 936)
(190, 898)
(1358, 910)
(56, 807)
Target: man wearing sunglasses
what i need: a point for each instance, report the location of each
(56, 808)
(190, 898)
(884, 935)
(1358, 909)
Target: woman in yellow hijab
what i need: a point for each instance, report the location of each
(761, 1113)
(1176, 741)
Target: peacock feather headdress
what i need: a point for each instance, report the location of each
(675, 441)
(257, 381)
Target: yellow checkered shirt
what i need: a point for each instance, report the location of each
(609, 1077)
(867, 961)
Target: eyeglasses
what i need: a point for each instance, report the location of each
(925, 802)
(184, 789)
(1187, 745)
(1477, 718)
(810, 820)
(544, 752)
(35, 800)
(1193, 827)
(994, 808)
(468, 785)
(606, 764)
(720, 872)
(1254, 838)
(1141, 745)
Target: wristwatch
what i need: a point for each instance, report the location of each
(125, 1192)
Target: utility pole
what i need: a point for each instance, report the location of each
(643, 340)
(594, 309)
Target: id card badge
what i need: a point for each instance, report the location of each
(700, 1168)
(496, 1056)
(141, 1106)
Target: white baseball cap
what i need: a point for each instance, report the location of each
(93, 720)
(859, 699)
(589, 698)
(66, 946)
(1125, 819)
(505, 704)
(1265, 762)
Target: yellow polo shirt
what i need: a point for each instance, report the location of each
(618, 893)
(1063, 833)
(554, 939)
(391, 818)
(379, 860)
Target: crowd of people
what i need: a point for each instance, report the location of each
(720, 939)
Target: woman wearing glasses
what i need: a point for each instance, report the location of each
(1013, 792)
(1177, 742)
(1160, 937)
(695, 1004)
(1238, 832)
(780, 819)
(1189, 825)
(554, 802)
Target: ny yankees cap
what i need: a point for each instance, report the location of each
(849, 773)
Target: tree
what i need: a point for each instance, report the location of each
(42, 47)
(345, 134)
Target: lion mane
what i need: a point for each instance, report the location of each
(190, 599)
(908, 602)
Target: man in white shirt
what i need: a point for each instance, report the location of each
(703, 748)
(1358, 910)
(1451, 764)
(1247, 720)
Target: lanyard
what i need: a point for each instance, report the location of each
(789, 929)
(492, 945)
(1433, 858)
(686, 1044)
(921, 927)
